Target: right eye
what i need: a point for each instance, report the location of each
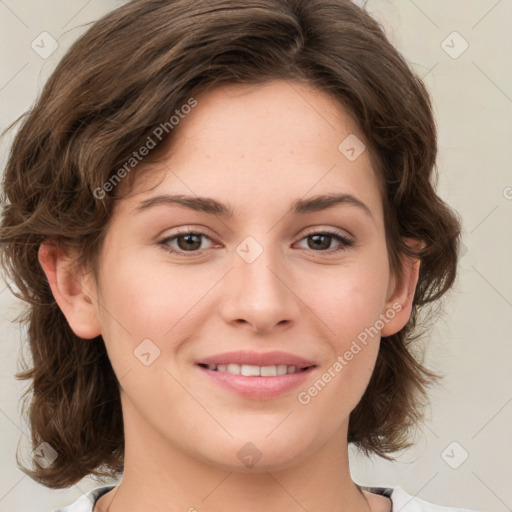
(188, 241)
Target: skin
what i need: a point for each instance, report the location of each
(257, 148)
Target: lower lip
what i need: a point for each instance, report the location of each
(258, 387)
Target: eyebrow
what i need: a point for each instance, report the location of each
(212, 206)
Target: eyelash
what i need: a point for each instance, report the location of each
(345, 242)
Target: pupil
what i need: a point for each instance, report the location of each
(324, 245)
(187, 244)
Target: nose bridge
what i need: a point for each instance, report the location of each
(258, 293)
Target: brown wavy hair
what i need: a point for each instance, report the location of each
(128, 73)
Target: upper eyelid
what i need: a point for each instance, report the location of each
(329, 230)
(206, 232)
(311, 231)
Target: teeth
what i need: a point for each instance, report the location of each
(249, 370)
(246, 369)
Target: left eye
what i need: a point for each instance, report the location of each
(190, 242)
(317, 236)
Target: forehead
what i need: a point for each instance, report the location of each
(281, 115)
(243, 141)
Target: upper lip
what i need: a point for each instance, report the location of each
(274, 357)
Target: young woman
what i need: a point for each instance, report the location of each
(223, 219)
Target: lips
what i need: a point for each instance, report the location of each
(252, 358)
(263, 375)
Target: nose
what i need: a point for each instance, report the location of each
(259, 295)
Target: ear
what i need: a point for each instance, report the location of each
(72, 289)
(401, 293)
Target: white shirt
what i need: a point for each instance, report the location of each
(402, 502)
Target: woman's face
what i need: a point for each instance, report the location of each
(268, 278)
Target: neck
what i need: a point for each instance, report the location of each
(161, 476)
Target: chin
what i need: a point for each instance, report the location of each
(262, 466)
(258, 456)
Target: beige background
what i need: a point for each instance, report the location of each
(471, 344)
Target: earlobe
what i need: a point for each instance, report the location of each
(401, 294)
(70, 290)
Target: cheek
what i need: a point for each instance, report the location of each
(350, 299)
(349, 307)
(138, 304)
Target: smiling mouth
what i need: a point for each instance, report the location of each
(249, 370)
